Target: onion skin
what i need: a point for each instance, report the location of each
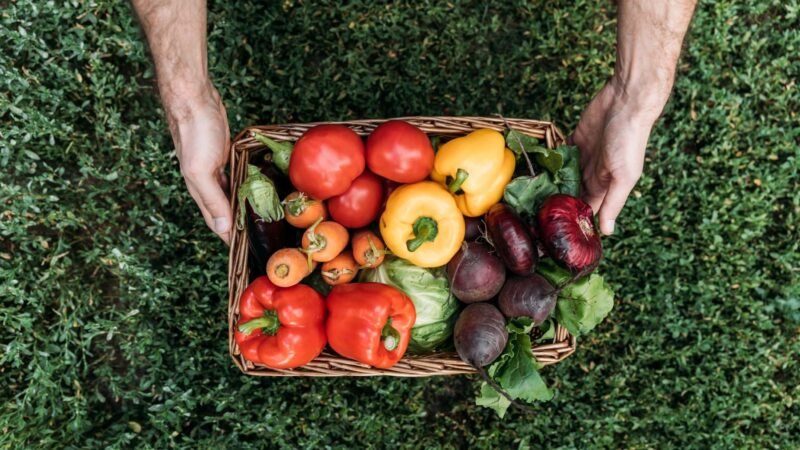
(480, 334)
(475, 274)
(529, 296)
(568, 233)
(511, 239)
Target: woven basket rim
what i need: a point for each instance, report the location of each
(329, 364)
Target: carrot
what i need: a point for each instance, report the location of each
(301, 211)
(340, 270)
(324, 240)
(368, 249)
(287, 267)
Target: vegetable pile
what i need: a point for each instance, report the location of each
(387, 246)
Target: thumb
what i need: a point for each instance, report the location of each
(614, 201)
(213, 203)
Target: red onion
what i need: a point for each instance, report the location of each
(568, 233)
(511, 240)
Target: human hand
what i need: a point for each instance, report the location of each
(199, 127)
(612, 136)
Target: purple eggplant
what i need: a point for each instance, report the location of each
(265, 239)
(267, 236)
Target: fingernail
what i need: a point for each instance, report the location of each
(221, 224)
(608, 225)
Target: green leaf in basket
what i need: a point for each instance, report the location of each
(581, 305)
(548, 329)
(518, 142)
(525, 193)
(568, 178)
(550, 160)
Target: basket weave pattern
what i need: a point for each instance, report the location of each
(329, 364)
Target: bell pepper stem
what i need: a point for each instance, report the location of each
(268, 323)
(461, 177)
(425, 230)
(390, 336)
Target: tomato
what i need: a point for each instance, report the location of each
(325, 161)
(361, 204)
(400, 152)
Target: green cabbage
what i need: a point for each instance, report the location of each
(436, 306)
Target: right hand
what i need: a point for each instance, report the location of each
(612, 136)
(201, 135)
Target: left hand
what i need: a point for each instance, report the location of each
(612, 136)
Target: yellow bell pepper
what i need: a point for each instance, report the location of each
(422, 224)
(476, 168)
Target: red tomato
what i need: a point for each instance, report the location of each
(325, 161)
(361, 204)
(399, 151)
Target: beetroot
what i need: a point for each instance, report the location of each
(472, 228)
(529, 296)
(480, 335)
(475, 274)
(568, 233)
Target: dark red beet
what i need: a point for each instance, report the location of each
(475, 274)
(480, 337)
(472, 229)
(568, 234)
(480, 334)
(529, 296)
(511, 239)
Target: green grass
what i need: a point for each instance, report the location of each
(114, 293)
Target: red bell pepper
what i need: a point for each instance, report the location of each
(282, 328)
(370, 323)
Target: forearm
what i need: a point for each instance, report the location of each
(176, 34)
(649, 39)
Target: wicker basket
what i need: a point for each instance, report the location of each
(329, 364)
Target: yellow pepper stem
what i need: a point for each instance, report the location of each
(455, 185)
(425, 230)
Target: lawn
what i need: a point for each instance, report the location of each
(113, 292)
